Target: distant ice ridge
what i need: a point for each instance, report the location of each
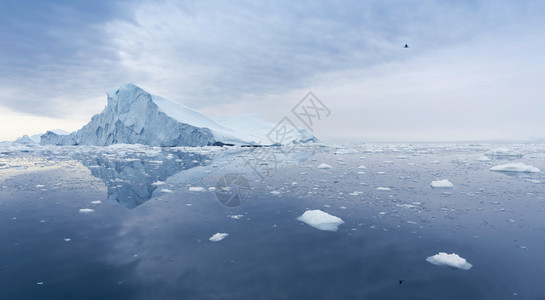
(35, 139)
(503, 152)
(451, 260)
(321, 220)
(515, 167)
(134, 116)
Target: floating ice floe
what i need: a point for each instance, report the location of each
(483, 158)
(159, 182)
(218, 237)
(39, 186)
(503, 152)
(515, 167)
(321, 220)
(362, 167)
(196, 189)
(86, 210)
(382, 188)
(444, 183)
(67, 239)
(324, 166)
(451, 260)
(166, 191)
(236, 217)
(96, 202)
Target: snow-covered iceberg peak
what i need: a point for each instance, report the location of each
(134, 116)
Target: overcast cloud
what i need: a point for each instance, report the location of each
(474, 69)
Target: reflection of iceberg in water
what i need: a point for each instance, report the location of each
(130, 179)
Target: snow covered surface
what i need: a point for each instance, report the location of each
(218, 237)
(451, 260)
(443, 183)
(321, 220)
(515, 167)
(134, 116)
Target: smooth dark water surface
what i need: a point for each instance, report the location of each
(149, 237)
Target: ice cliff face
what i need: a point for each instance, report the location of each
(134, 116)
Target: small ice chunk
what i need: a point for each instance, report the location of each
(196, 189)
(158, 183)
(67, 239)
(483, 158)
(515, 167)
(218, 237)
(39, 282)
(382, 188)
(321, 220)
(166, 191)
(96, 202)
(452, 260)
(275, 192)
(324, 166)
(39, 186)
(86, 210)
(362, 167)
(443, 183)
(236, 217)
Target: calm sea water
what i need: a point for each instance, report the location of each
(149, 236)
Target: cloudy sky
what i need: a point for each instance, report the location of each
(475, 70)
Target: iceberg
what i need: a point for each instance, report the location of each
(218, 237)
(444, 183)
(515, 167)
(324, 166)
(134, 116)
(321, 220)
(451, 260)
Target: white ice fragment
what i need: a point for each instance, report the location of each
(483, 158)
(275, 192)
(218, 237)
(67, 239)
(362, 167)
(86, 210)
(96, 202)
(39, 186)
(196, 189)
(324, 166)
(515, 167)
(321, 220)
(166, 191)
(444, 183)
(236, 217)
(452, 260)
(158, 182)
(382, 188)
